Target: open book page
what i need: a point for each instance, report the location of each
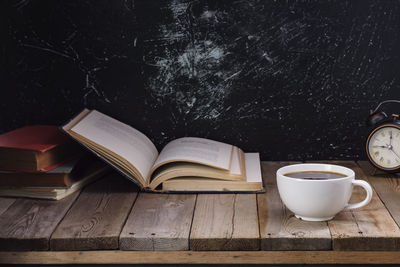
(197, 150)
(181, 169)
(252, 183)
(253, 168)
(238, 163)
(119, 138)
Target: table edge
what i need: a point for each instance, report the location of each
(200, 257)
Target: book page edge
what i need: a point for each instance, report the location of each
(68, 126)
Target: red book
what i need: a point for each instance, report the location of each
(35, 148)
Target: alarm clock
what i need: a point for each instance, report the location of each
(383, 142)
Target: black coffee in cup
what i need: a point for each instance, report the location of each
(315, 175)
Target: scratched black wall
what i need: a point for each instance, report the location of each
(293, 80)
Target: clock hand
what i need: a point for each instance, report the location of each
(395, 153)
(390, 143)
(381, 146)
(390, 147)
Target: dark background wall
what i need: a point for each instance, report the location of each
(292, 79)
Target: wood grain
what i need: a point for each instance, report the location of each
(387, 186)
(5, 203)
(97, 217)
(225, 222)
(28, 224)
(201, 257)
(159, 222)
(220, 222)
(279, 229)
(367, 228)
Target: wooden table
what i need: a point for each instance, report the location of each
(108, 222)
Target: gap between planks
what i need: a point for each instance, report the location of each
(225, 222)
(96, 218)
(28, 223)
(284, 237)
(387, 187)
(159, 222)
(368, 228)
(279, 228)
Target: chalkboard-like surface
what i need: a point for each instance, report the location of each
(294, 80)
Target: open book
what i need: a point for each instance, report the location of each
(185, 164)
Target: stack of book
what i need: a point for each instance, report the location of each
(41, 162)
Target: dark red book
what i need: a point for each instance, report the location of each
(36, 148)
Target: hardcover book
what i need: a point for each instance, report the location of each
(185, 164)
(37, 148)
(90, 171)
(60, 177)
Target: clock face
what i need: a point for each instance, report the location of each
(383, 147)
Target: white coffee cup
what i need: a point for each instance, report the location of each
(319, 200)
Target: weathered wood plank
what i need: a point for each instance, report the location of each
(387, 186)
(367, 228)
(159, 222)
(97, 217)
(225, 222)
(279, 229)
(5, 203)
(28, 223)
(201, 257)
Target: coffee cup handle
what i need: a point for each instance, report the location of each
(367, 199)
